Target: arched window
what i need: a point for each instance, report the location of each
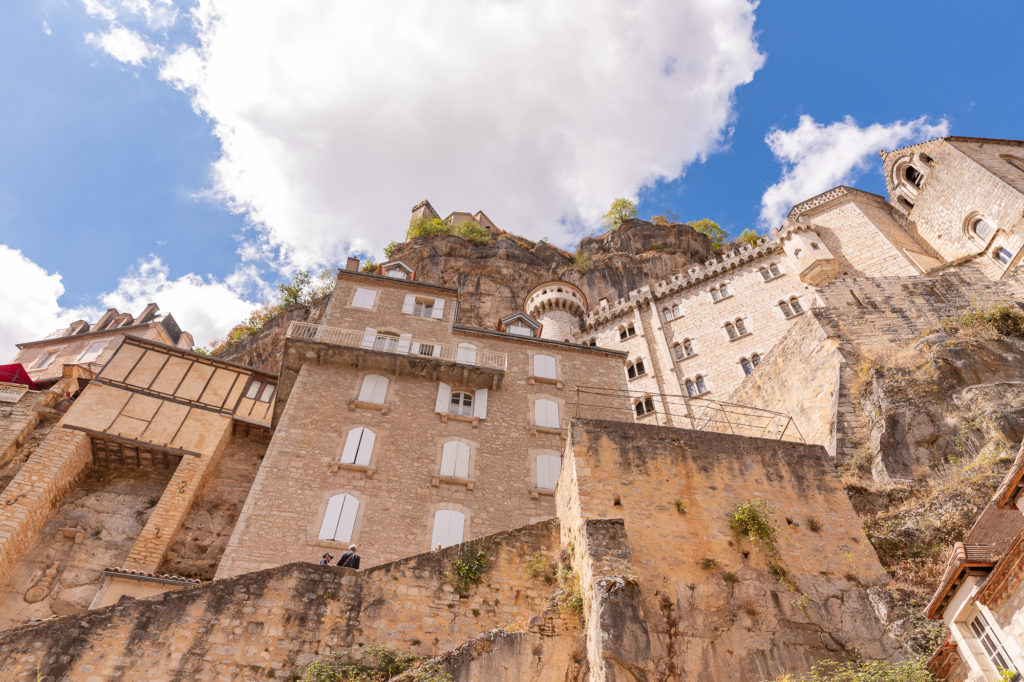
(455, 459)
(544, 366)
(386, 341)
(644, 406)
(982, 229)
(358, 446)
(701, 387)
(691, 388)
(548, 467)
(448, 528)
(636, 369)
(545, 413)
(794, 303)
(784, 307)
(741, 328)
(913, 176)
(461, 403)
(340, 518)
(755, 359)
(466, 354)
(725, 291)
(374, 389)
(677, 311)
(765, 274)
(730, 330)
(667, 312)
(775, 270)
(1003, 255)
(626, 332)
(747, 367)
(716, 295)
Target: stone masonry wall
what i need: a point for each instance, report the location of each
(714, 609)
(17, 421)
(279, 619)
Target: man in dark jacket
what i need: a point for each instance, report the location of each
(349, 559)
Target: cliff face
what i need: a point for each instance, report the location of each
(263, 350)
(501, 273)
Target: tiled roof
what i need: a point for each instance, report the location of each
(1012, 483)
(144, 574)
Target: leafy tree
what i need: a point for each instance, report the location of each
(659, 220)
(427, 227)
(749, 236)
(389, 250)
(712, 230)
(621, 210)
(291, 294)
(369, 266)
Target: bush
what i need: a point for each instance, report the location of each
(376, 664)
(469, 565)
(1006, 320)
(911, 670)
(711, 230)
(621, 210)
(749, 236)
(470, 231)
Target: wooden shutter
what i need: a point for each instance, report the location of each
(466, 354)
(365, 450)
(340, 518)
(546, 413)
(548, 467)
(544, 366)
(448, 528)
(348, 454)
(480, 403)
(438, 311)
(373, 389)
(364, 298)
(444, 395)
(369, 336)
(455, 459)
(331, 516)
(404, 342)
(409, 304)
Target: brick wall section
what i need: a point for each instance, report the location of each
(281, 618)
(162, 527)
(31, 498)
(702, 625)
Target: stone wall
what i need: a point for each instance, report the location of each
(17, 421)
(279, 619)
(711, 604)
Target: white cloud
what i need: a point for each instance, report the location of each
(123, 44)
(816, 157)
(335, 118)
(46, 28)
(29, 309)
(154, 14)
(206, 307)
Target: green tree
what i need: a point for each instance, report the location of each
(291, 294)
(749, 236)
(659, 220)
(389, 250)
(622, 209)
(710, 229)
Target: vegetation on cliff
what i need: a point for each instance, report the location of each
(371, 664)
(432, 227)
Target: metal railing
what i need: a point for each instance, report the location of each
(688, 412)
(464, 354)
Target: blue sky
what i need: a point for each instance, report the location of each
(197, 153)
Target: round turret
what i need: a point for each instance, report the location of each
(560, 307)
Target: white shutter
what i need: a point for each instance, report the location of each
(544, 366)
(409, 304)
(347, 519)
(444, 395)
(546, 413)
(331, 516)
(448, 528)
(369, 335)
(438, 311)
(548, 467)
(348, 454)
(461, 460)
(364, 298)
(374, 389)
(449, 455)
(404, 342)
(480, 403)
(365, 451)
(466, 354)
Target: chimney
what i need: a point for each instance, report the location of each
(352, 265)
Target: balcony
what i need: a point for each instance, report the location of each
(459, 365)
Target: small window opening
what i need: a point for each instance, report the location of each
(775, 270)
(461, 403)
(1003, 255)
(617, 502)
(741, 328)
(795, 305)
(913, 176)
(982, 229)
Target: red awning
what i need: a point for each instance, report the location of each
(16, 374)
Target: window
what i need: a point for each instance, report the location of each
(755, 359)
(340, 518)
(786, 310)
(396, 273)
(987, 638)
(696, 386)
(364, 298)
(667, 312)
(386, 342)
(716, 295)
(260, 390)
(741, 328)
(374, 389)
(725, 291)
(720, 292)
(730, 330)
(775, 270)
(626, 332)
(644, 406)
(545, 413)
(448, 528)
(592, 343)
(466, 354)
(982, 229)
(548, 467)
(765, 274)
(747, 367)
(913, 176)
(44, 360)
(905, 203)
(461, 403)
(1003, 255)
(92, 352)
(691, 388)
(794, 303)
(423, 308)
(455, 459)
(673, 312)
(688, 348)
(636, 369)
(544, 366)
(519, 330)
(701, 388)
(358, 446)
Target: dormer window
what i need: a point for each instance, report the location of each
(913, 176)
(519, 330)
(396, 273)
(396, 270)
